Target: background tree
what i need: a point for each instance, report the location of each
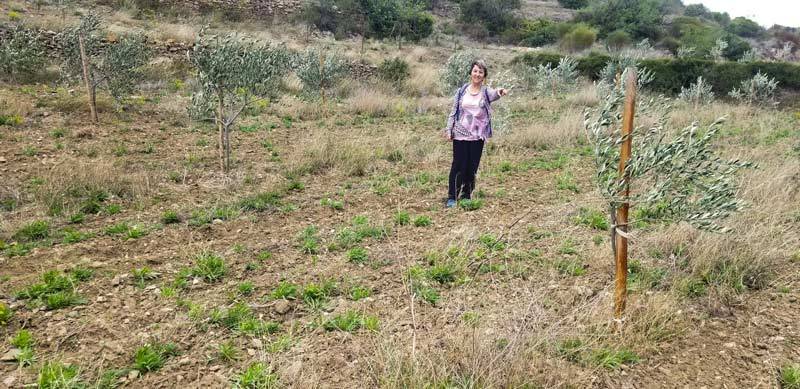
(320, 72)
(639, 18)
(22, 54)
(232, 74)
(115, 65)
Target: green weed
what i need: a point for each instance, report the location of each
(170, 217)
(152, 357)
(592, 218)
(285, 290)
(358, 292)
(333, 204)
(402, 218)
(351, 321)
(790, 376)
(570, 266)
(357, 255)
(612, 359)
(142, 275)
(209, 266)
(245, 288)
(256, 376)
(566, 181)
(227, 352)
(56, 375)
(422, 221)
(33, 231)
(6, 313)
(470, 204)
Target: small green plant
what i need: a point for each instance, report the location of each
(566, 181)
(357, 255)
(443, 273)
(10, 120)
(119, 228)
(264, 255)
(422, 221)
(309, 242)
(425, 292)
(758, 90)
(592, 218)
(23, 339)
(170, 217)
(470, 204)
(30, 151)
(315, 295)
(56, 290)
(72, 235)
(333, 204)
(570, 349)
(142, 275)
(209, 266)
(402, 218)
(790, 376)
(256, 376)
(351, 321)
(6, 313)
(56, 375)
(77, 218)
(227, 352)
(394, 70)
(491, 242)
(613, 359)
(33, 231)
(152, 357)
(570, 266)
(245, 288)
(692, 287)
(285, 290)
(358, 292)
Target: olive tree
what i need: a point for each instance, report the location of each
(232, 74)
(320, 71)
(676, 178)
(117, 66)
(22, 53)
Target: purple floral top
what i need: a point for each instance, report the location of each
(471, 116)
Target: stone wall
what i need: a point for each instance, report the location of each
(246, 8)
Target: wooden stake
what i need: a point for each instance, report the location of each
(621, 286)
(86, 80)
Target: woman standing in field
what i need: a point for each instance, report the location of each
(468, 127)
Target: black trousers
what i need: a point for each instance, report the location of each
(466, 158)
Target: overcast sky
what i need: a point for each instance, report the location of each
(765, 12)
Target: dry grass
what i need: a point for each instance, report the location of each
(332, 152)
(68, 184)
(376, 103)
(424, 81)
(540, 134)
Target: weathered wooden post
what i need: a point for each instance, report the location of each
(621, 228)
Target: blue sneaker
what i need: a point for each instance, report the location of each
(450, 203)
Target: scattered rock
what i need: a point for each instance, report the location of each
(257, 343)
(133, 374)
(292, 372)
(9, 381)
(282, 307)
(10, 355)
(730, 344)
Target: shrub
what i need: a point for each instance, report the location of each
(456, 71)
(744, 27)
(494, 16)
(394, 70)
(551, 80)
(697, 93)
(573, 4)
(320, 72)
(531, 33)
(580, 38)
(640, 18)
(22, 54)
(758, 90)
(616, 40)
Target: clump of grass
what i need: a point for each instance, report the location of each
(491, 242)
(352, 321)
(170, 217)
(358, 292)
(142, 275)
(285, 290)
(470, 204)
(333, 204)
(240, 318)
(6, 313)
(592, 218)
(209, 266)
(262, 202)
(641, 277)
(315, 295)
(570, 349)
(23, 341)
(357, 255)
(245, 288)
(55, 291)
(566, 181)
(612, 359)
(359, 230)
(202, 217)
(58, 375)
(570, 266)
(308, 240)
(72, 235)
(227, 352)
(152, 357)
(422, 221)
(402, 218)
(33, 231)
(256, 376)
(790, 376)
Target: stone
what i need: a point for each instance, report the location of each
(10, 355)
(282, 307)
(133, 374)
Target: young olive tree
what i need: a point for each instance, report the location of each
(456, 71)
(232, 74)
(320, 72)
(698, 93)
(117, 66)
(759, 90)
(22, 54)
(549, 79)
(675, 178)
